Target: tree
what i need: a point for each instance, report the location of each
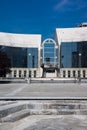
(4, 64)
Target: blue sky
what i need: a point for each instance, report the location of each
(41, 16)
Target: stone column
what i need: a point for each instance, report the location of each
(17, 74)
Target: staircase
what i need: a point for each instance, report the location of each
(11, 111)
(51, 75)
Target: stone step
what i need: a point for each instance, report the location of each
(57, 105)
(12, 80)
(11, 108)
(65, 106)
(3, 103)
(58, 112)
(27, 112)
(16, 116)
(53, 80)
(42, 108)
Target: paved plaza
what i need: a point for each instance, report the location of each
(45, 120)
(43, 90)
(48, 122)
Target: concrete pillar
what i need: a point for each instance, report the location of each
(17, 73)
(22, 73)
(81, 72)
(66, 71)
(71, 75)
(12, 73)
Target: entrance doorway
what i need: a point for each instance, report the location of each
(49, 61)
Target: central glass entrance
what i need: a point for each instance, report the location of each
(49, 58)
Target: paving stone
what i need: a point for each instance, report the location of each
(16, 116)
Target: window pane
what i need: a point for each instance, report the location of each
(70, 54)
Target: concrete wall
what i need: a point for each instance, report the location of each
(20, 40)
(25, 72)
(77, 34)
(69, 72)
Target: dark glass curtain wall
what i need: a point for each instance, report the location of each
(74, 55)
(19, 57)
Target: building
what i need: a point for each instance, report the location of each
(23, 52)
(72, 51)
(65, 56)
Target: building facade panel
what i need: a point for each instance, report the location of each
(72, 56)
(22, 52)
(20, 40)
(64, 57)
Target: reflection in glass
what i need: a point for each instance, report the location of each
(49, 50)
(19, 57)
(70, 54)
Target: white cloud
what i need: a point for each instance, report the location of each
(61, 4)
(70, 5)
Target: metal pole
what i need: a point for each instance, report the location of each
(29, 79)
(79, 67)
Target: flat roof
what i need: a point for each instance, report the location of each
(20, 40)
(71, 34)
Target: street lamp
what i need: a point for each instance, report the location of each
(29, 63)
(80, 67)
(29, 59)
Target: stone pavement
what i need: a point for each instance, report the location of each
(46, 119)
(48, 122)
(43, 90)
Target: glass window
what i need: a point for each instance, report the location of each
(21, 57)
(32, 57)
(49, 50)
(50, 53)
(70, 54)
(17, 56)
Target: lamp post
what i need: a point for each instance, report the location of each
(80, 67)
(29, 62)
(29, 59)
(29, 80)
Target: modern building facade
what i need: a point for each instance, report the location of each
(49, 58)
(23, 52)
(72, 56)
(65, 56)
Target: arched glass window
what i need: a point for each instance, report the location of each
(49, 52)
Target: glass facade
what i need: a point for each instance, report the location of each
(32, 57)
(21, 57)
(73, 54)
(50, 53)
